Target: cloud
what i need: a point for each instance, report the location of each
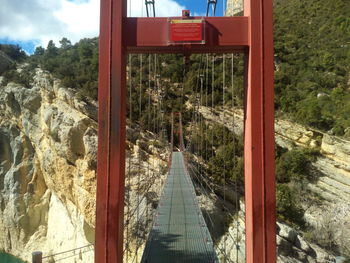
(80, 19)
(163, 8)
(29, 20)
(42, 20)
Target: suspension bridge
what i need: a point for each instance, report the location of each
(179, 232)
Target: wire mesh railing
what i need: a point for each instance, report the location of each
(39, 257)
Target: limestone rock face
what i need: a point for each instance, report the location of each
(289, 135)
(48, 159)
(48, 143)
(336, 149)
(24, 196)
(293, 248)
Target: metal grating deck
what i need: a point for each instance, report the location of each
(179, 233)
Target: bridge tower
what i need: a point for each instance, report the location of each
(251, 34)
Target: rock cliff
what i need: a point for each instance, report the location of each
(48, 144)
(47, 169)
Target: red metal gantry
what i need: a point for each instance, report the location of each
(251, 34)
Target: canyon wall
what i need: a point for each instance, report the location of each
(48, 143)
(48, 151)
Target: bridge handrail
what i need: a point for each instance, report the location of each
(67, 251)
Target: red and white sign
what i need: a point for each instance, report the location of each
(187, 30)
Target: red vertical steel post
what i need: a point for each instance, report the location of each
(260, 196)
(111, 134)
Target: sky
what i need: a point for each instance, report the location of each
(32, 23)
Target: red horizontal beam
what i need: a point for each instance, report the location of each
(151, 35)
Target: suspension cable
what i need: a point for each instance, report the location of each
(200, 152)
(206, 103)
(148, 127)
(197, 170)
(234, 156)
(223, 130)
(212, 100)
(199, 116)
(158, 96)
(128, 200)
(150, 3)
(139, 162)
(149, 94)
(212, 4)
(154, 89)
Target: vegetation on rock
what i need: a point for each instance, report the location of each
(293, 175)
(15, 52)
(312, 56)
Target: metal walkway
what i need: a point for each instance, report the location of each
(179, 232)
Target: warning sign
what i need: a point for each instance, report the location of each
(187, 30)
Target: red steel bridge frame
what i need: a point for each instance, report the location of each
(251, 34)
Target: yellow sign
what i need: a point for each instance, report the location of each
(186, 21)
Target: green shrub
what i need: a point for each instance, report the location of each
(293, 165)
(288, 205)
(24, 77)
(312, 62)
(15, 52)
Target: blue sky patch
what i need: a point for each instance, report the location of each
(27, 46)
(199, 6)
